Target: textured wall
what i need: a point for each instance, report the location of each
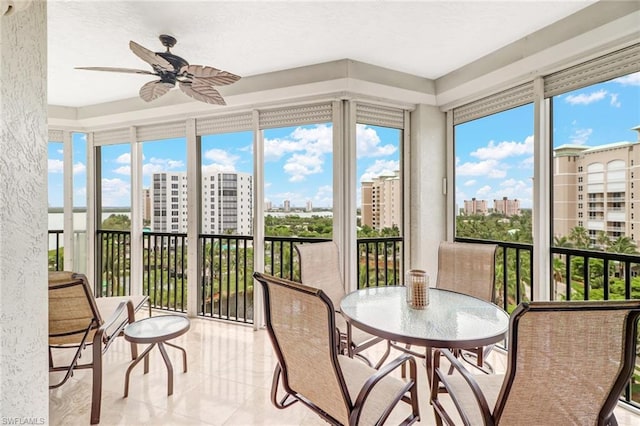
(23, 217)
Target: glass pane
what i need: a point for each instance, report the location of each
(55, 179)
(493, 176)
(79, 143)
(596, 189)
(298, 164)
(227, 220)
(116, 187)
(380, 205)
(164, 179)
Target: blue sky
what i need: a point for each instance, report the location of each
(494, 155)
(298, 162)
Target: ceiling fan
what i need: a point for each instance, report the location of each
(197, 81)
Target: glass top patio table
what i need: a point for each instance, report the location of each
(451, 320)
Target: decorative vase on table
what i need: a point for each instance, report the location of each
(417, 283)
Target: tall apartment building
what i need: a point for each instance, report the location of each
(309, 206)
(146, 205)
(287, 206)
(507, 207)
(381, 202)
(227, 203)
(474, 206)
(597, 188)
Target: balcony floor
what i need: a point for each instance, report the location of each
(227, 383)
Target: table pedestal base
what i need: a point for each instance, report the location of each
(145, 355)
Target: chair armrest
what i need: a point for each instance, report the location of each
(385, 371)
(113, 320)
(469, 379)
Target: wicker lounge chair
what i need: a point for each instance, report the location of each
(76, 321)
(300, 321)
(319, 268)
(568, 363)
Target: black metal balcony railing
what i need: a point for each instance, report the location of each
(280, 258)
(56, 255)
(113, 277)
(226, 280)
(379, 261)
(165, 270)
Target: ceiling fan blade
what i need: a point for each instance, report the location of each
(150, 57)
(212, 75)
(127, 70)
(154, 89)
(202, 92)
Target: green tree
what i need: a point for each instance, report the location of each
(579, 237)
(117, 222)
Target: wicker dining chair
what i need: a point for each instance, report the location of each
(300, 321)
(319, 268)
(568, 363)
(469, 268)
(77, 321)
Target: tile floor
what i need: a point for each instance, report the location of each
(227, 383)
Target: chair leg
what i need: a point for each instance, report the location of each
(284, 402)
(96, 393)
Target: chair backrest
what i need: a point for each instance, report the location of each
(300, 322)
(568, 362)
(319, 268)
(468, 268)
(72, 309)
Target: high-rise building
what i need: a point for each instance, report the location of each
(146, 205)
(227, 203)
(287, 206)
(474, 206)
(309, 206)
(381, 207)
(268, 206)
(507, 207)
(597, 188)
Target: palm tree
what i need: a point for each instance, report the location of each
(623, 245)
(603, 240)
(561, 241)
(580, 237)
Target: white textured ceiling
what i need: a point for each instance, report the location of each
(424, 38)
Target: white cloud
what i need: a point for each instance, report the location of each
(115, 192)
(470, 182)
(580, 136)
(629, 80)
(614, 102)
(124, 170)
(380, 168)
(323, 197)
(55, 166)
(316, 140)
(221, 161)
(300, 166)
(483, 193)
(490, 168)
(60, 151)
(159, 165)
(368, 143)
(504, 149)
(586, 99)
(124, 158)
(79, 168)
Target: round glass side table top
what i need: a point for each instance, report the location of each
(156, 331)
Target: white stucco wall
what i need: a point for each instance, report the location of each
(428, 202)
(24, 380)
